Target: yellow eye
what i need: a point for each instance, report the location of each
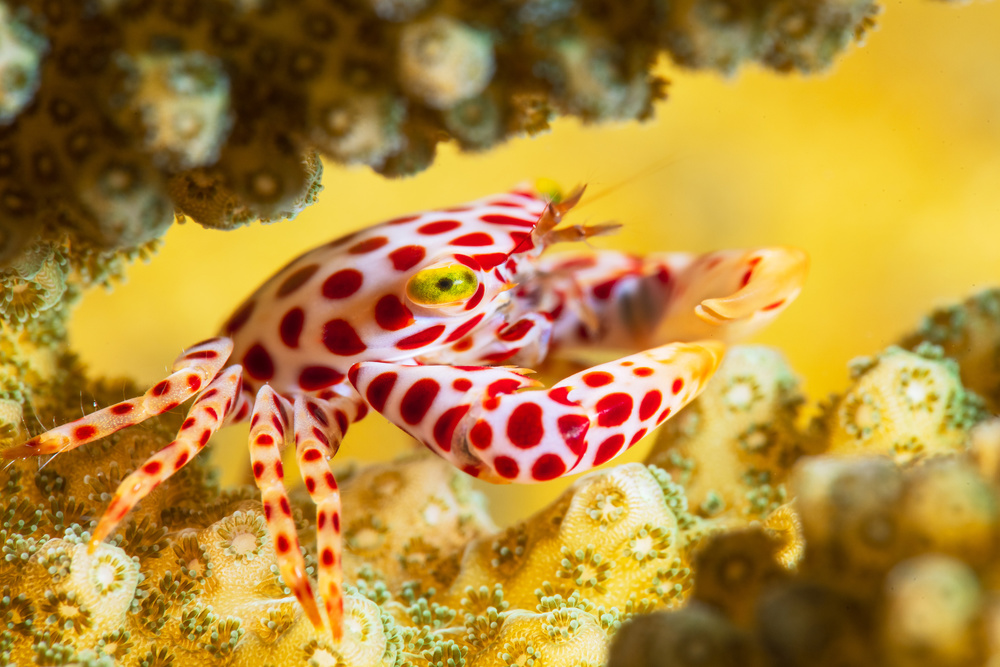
(441, 285)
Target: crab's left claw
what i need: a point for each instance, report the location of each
(472, 417)
(774, 278)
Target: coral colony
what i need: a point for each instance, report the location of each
(868, 536)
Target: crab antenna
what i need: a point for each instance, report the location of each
(554, 213)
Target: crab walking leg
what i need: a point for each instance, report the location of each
(204, 418)
(193, 369)
(268, 427)
(471, 417)
(320, 426)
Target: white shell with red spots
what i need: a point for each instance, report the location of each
(345, 302)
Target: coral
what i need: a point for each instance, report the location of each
(907, 405)
(969, 333)
(733, 446)
(116, 114)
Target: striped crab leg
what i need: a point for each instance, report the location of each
(320, 426)
(268, 428)
(193, 370)
(209, 411)
(472, 416)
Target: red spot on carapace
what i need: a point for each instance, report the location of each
(182, 458)
(676, 387)
(476, 298)
(776, 304)
(712, 263)
(522, 241)
(152, 467)
(663, 415)
(310, 484)
(474, 239)
(746, 278)
(282, 545)
(444, 427)
(283, 502)
(239, 318)
(573, 429)
(504, 386)
(439, 227)
(421, 338)
(212, 412)
(403, 220)
(642, 371)
(516, 331)
(391, 314)
(407, 257)
(296, 280)
(379, 389)
(122, 408)
(331, 483)
(328, 558)
(258, 363)
(608, 449)
(320, 436)
(317, 413)
(613, 409)
(258, 469)
(205, 436)
(342, 422)
(368, 245)
(202, 354)
(506, 467)
(548, 466)
(496, 219)
(524, 427)
(490, 260)
(194, 382)
(469, 262)
(481, 435)
(461, 384)
(603, 290)
(598, 379)
(335, 520)
(663, 275)
(290, 327)
(84, 432)
(312, 454)
(650, 404)
(418, 399)
(161, 388)
(464, 328)
(561, 395)
(188, 423)
(342, 284)
(314, 378)
(264, 439)
(340, 338)
(639, 435)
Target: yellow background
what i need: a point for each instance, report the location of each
(886, 169)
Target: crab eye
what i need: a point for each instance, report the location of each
(442, 285)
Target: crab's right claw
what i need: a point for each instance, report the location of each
(772, 279)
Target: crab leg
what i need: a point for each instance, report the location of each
(268, 427)
(193, 369)
(206, 415)
(319, 428)
(472, 417)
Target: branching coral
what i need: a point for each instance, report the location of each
(116, 113)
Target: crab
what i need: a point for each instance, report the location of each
(432, 320)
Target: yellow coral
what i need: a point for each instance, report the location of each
(731, 449)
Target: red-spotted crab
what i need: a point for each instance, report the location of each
(413, 319)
